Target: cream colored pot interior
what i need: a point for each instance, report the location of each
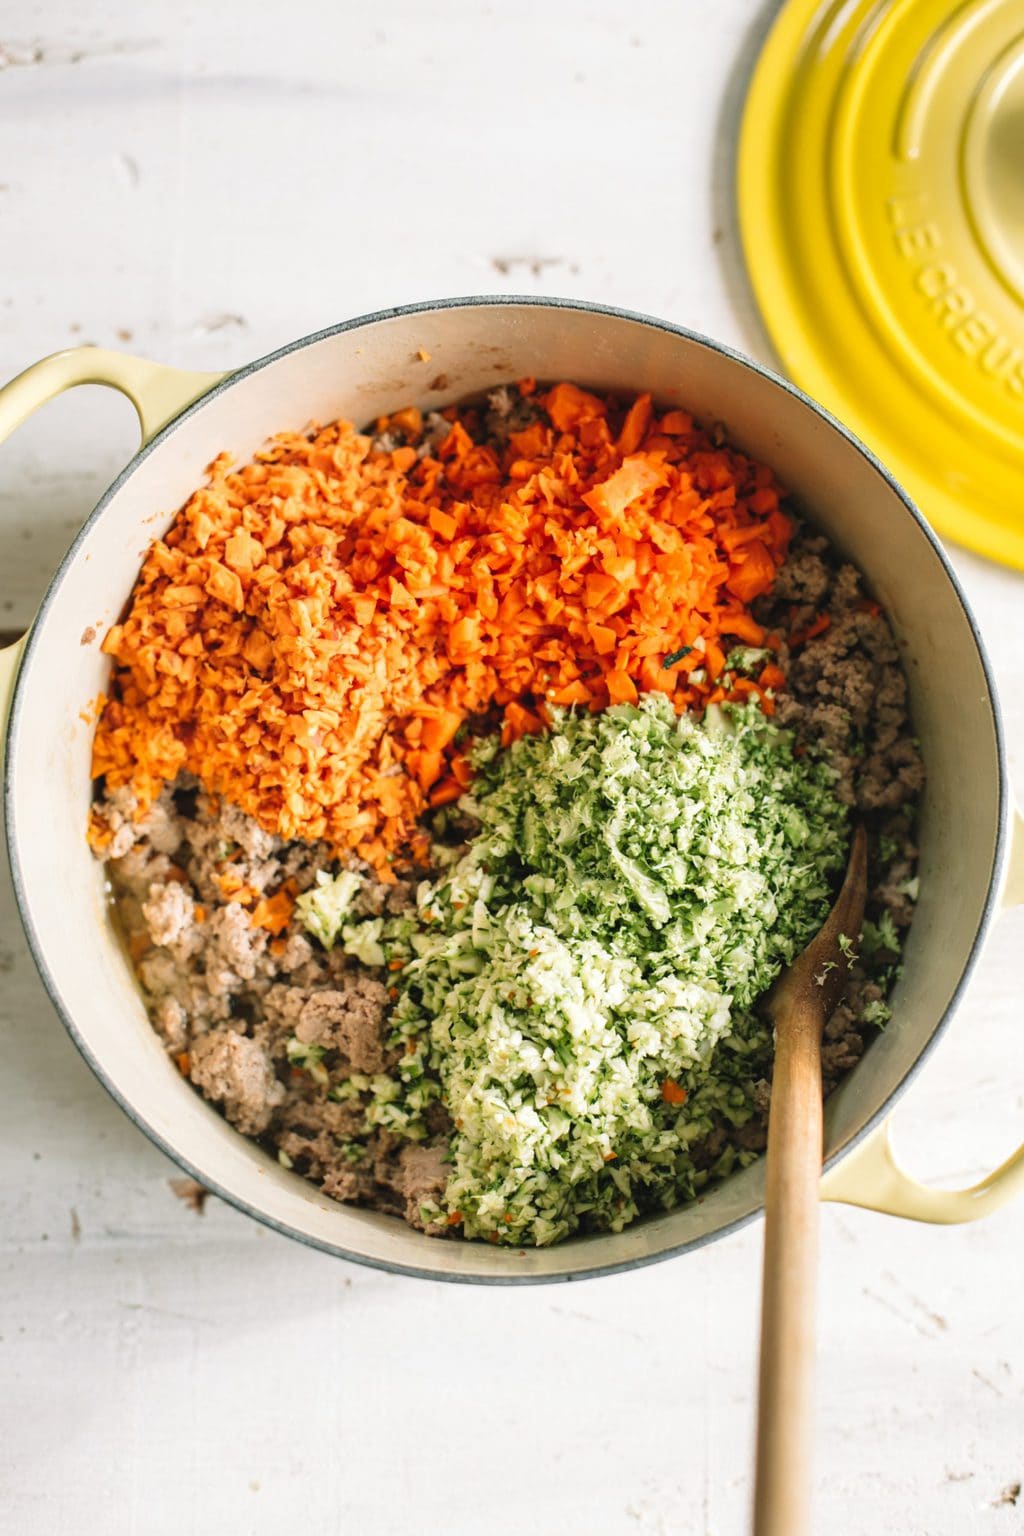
(359, 373)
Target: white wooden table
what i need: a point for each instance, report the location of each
(201, 184)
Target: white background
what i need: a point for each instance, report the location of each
(201, 184)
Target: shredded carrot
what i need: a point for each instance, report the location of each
(672, 1093)
(313, 632)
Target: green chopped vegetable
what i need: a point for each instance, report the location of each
(323, 909)
(362, 941)
(881, 936)
(310, 1058)
(888, 848)
(638, 882)
(748, 659)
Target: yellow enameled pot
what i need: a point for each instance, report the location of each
(972, 847)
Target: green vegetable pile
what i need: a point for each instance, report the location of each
(580, 985)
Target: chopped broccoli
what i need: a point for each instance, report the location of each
(639, 880)
(880, 935)
(846, 944)
(749, 659)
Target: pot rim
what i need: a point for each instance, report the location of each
(429, 306)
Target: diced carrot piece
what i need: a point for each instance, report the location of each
(714, 659)
(363, 607)
(634, 428)
(743, 627)
(225, 585)
(274, 912)
(772, 677)
(522, 722)
(408, 421)
(444, 793)
(567, 405)
(599, 587)
(754, 576)
(572, 693)
(426, 766)
(242, 552)
(604, 639)
(676, 424)
(443, 523)
(621, 688)
(439, 729)
(462, 770)
(779, 528)
(817, 627)
(634, 478)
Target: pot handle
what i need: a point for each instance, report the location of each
(158, 394)
(870, 1176)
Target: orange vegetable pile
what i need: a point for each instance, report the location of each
(315, 628)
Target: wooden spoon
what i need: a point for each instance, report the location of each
(800, 1004)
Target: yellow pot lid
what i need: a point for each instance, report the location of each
(881, 200)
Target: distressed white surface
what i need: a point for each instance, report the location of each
(202, 184)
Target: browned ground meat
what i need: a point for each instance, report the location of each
(250, 1017)
(846, 696)
(226, 997)
(237, 1072)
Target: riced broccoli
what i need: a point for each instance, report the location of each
(582, 980)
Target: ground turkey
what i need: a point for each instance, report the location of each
(236, 1073)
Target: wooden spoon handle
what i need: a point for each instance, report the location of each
(786, 1386)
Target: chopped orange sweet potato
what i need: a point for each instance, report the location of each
(314, 629)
